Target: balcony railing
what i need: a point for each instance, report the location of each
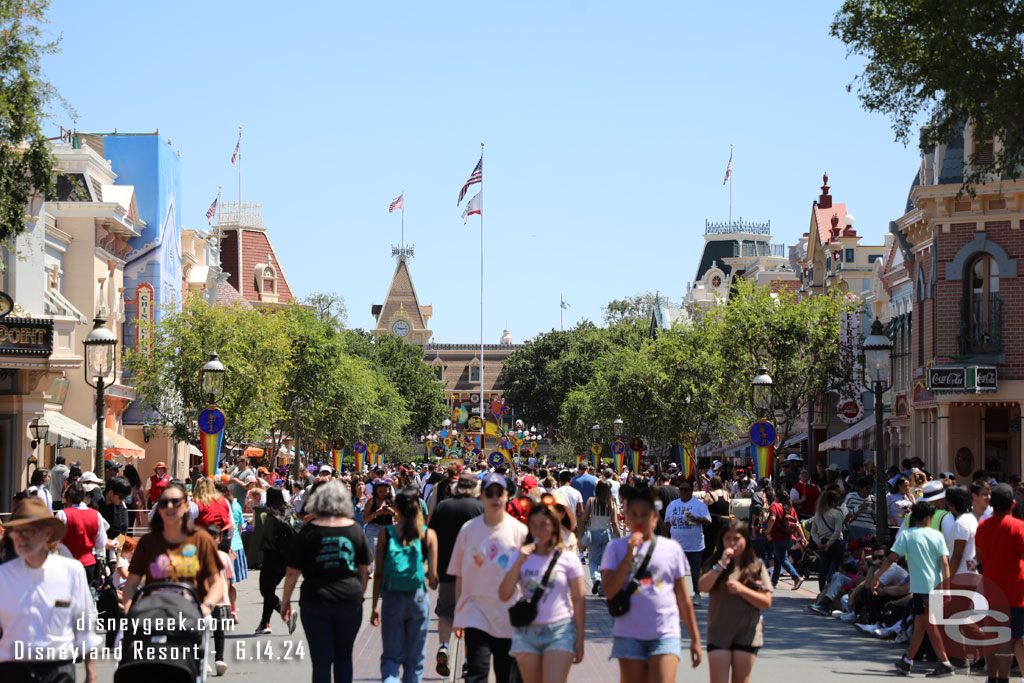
(737, 226)
(980, 333)
(242, 214)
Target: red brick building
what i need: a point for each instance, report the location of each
(967, 336)
(248, 258)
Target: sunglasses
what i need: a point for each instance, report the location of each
(493, 492)
(170, 502)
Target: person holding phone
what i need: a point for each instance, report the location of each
(380, 513)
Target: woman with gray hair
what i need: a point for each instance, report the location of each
(333, 557)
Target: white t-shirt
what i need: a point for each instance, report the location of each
(893, 576)
(572, 496)
(964, 529)
(689, 535)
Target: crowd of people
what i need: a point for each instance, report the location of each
(503, 558)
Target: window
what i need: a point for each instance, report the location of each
(981, 319)
(849, 258)
(474, 373)
(984, 153)
(873, 257)
(962, 206)
(997, 204)
(438, 372)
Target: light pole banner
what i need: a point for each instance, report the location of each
(762, 448)
(595, 453)
(636, 449)
(618, 454)
(339, 457)
(376, 455)
(360, 449)
(211, 438)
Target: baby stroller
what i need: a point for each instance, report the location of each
(171, 655)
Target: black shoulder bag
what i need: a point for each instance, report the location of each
(618, 605)
(525, 611)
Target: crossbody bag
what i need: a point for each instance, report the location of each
(525, 611)
(618, 605)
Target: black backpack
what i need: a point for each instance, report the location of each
(285, 534)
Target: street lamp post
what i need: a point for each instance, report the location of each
(595, 446)
(100, 372)
(762, 432)
(877, 359)
(212, 420)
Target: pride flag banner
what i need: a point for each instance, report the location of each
(211, 438)
(579, 460)
(686, 460)
(339, 457)
(375, 454)
(595, 456)
(762, 448)
(360, 449)
(618, 455)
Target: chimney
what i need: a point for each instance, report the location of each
(825, 200)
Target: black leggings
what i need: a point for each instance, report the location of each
(272, 571)
(480, 648)
(828, 562)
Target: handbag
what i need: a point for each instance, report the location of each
(525, 611)
(586, 539)
(618, 604)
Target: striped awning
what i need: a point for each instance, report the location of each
(739, 449)
(115, 444)
(67, 433)
(859, 437)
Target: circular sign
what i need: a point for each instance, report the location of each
(438, 451)
(495, 459)
(636, 444)
(595, 449)
(762, 434)
(211, 421)
(849, 409)
(360, 447)
(475, 423)
(618, 448)
(6, 304)
(448, 442)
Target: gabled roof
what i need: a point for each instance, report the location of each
(229, 296)
(402, 294)
(822, 219)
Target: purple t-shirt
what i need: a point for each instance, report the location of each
(556, 604)
(653, 612)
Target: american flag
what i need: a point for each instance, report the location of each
(397, 203)
(477, 176)
(234, 156)
(728, 169)
(212, 211)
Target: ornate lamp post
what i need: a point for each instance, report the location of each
(212, 420)
(877, 359)
(100, 372)
(213, 379)
(595, 446)
(762, 432)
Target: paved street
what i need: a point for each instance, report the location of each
(800, 647)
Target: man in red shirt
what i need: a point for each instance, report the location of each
(156, 484)
(999, 545)
(805, 494)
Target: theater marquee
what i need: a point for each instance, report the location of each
(26, 336)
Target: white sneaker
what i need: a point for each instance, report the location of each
(848, 617)
(884, 633)
(696, 600)
(221, 667)
(845, 603)
(836, 614)
(903, 637)
(867, 628)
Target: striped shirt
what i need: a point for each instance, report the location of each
(866, 517)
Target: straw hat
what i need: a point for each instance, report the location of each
(33, 510)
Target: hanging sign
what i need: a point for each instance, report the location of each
(144, 311)
(360, 449)
(211, 438)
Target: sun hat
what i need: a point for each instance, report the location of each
(933, 490)
(159, 465)
(32, 510)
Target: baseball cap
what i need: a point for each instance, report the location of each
(528, 482)
(326, 469)
(794, 456)
(1002, 497)
(494, 478)
(111, 465)
(933, 490)
(467, 481)
(947, 475)
(833, 467)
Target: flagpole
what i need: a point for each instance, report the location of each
(481, 283)
(403, 220)
(240, 176)
(561, 312)
(730, 188)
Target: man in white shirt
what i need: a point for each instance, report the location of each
(44, 603)
(685, 516)
(572, 497)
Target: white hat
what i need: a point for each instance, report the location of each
(326, 469)
(933, 490)
(90, 481)
(794, 456)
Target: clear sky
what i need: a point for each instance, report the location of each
(607, 127)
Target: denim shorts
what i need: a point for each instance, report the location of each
(632, 648)
(540, 638)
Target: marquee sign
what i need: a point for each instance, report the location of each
(144, 298)
(963, 379)
(26, 336)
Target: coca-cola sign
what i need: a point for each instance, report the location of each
(947, 379)
(987, 378)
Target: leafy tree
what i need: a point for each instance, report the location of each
(953, 61)
(634, 308)
(329, 307)
(26, 166)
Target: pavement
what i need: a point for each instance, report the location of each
(800, 646)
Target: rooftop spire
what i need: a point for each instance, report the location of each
(825, 200)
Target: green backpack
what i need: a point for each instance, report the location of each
(403, 566)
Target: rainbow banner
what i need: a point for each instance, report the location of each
(595, 456)
(339, 457)
(634, 460)
(211, 438)
(360, 449)
(375, 454)
(618, 455)
(686, 460)
(579, 460)
(762, 448)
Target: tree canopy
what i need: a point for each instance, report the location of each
(946, 62)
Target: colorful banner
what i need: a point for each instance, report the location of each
(376, 456)
(360, 449)
(762, 448)
(339, 457)
(579, 460)
(211, 438)
(687, 463)
(595, 456)
(618, 455)
(636, 449)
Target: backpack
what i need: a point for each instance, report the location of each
(761, 522)
(790, 523)
(403, 565)
(284, 535)
(756, 508)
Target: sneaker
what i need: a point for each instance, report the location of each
(221, 667)
(884, 633)
(262, 629)
(696, 600)
(596, 587)
(799, 582)
(848, 617)
(943, 669)
(903, 666)
(293, 619)
(845, 603)
(867, 628)
(818, 609)
(442, 667)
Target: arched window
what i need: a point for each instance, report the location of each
(981, 319)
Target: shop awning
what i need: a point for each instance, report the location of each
(859, 437)
(794, 441)
(739, 449)
(253, 452)
(704, 450)
(115, 444)
(193, 450)
(67, 433)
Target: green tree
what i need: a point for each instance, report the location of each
(329, 307)
(26, 166)
(634, 308)
(951, 62)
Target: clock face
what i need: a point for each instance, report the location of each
(400, 328)
(716, 281)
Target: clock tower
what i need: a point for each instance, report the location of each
(401, 313)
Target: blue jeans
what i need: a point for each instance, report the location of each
(694, 559)
(404, 618)
(780, 550)
(331, 631)
(598, 542)
(372, 530)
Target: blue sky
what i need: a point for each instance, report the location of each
(607, 126)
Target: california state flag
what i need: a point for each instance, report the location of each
(475, 205)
